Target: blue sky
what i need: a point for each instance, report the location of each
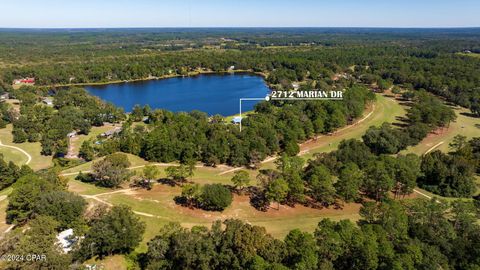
(239, 13)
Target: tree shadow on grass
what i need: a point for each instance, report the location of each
(171, 182)
(258, 199)
(467, 114)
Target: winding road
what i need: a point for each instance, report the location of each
(29, 158)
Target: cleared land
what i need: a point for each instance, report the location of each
(38, 161)
(11, 154)
(159, 204)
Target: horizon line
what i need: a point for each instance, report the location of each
(244, 27)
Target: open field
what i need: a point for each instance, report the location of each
(116, 262)
(464, 125)
(33, 149)
(11, 154)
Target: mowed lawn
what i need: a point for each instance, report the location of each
(34, 149)
(13, 155)
(465, 125)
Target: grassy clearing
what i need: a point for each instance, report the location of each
(84, 188)
(464, 125)
(6, 191)
(116, 262)
(134, 160)
(475, 55)
(433, 195)
(13, 155)
(159, 202)
(38, 161)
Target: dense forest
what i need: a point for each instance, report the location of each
(430, 68)
(430, 60)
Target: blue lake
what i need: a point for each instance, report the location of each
(213, 94)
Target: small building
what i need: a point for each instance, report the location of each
(295, 86)
(4, 97)
(48, 101)
(237, 120)
(66, 240)
(30, 81)
(72, 134)
(111, 132)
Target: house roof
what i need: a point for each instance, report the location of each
(237, 119)
(65, 241)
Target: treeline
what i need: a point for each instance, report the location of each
(415, 235)
(10, 172)
(5, 114)
(72, 110)
(453, 174)
(274, 127)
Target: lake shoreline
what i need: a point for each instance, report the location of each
(165, 77)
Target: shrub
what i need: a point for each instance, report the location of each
(215, 197)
